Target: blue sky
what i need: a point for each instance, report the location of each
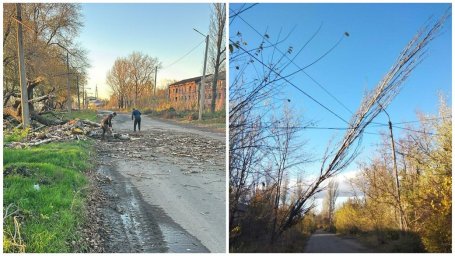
(160, 30)
(378, 33)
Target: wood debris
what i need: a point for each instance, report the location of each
(72, 130)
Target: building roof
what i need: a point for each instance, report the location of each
(221, 76)
(194, 79)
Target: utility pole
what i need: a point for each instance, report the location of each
(78, 92)
(395, 169)
(202, 87)
(83, 96)
(96, 91)
(68, 88)
(156, 72)
(20, 49)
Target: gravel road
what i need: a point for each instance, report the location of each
(165, 188)
(323, 242)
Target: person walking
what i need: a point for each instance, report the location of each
(106, 123)
(136, 116)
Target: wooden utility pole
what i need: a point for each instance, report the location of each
(202, 87)
(395, 170)
(83, 96)
(156, 72)
(22, 79)
(78, 92)
(68, 88)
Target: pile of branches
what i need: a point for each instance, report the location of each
(71, 130)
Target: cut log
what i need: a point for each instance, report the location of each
(90, 123)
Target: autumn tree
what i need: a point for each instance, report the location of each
(424, 157)
(131, 79)
(118, 79)
(45, 26)
(142, 70)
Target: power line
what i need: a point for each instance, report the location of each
(319, 84)
(232, 17)
(292, 84)
(186, 54)
(344, 128)
(415, 121)
(300, 69)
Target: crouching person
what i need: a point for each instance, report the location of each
(106, 123)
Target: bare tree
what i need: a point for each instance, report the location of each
(118, 78)
(142, 70)
(217, 50)
(330, 201)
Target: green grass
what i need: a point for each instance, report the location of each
(215, 120)
(88, 114)
(17, 134)
(47, 218)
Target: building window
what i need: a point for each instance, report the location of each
(175, 98)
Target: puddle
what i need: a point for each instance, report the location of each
(137, 226)
(177, 241)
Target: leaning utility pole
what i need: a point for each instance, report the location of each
(202, 87)
(23, 82)
(395, 169)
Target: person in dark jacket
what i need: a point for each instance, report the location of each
(136, 116)
(106, 123)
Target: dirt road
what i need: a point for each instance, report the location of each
(164, 188)
(325, 242)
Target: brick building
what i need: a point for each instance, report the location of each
(184, 95)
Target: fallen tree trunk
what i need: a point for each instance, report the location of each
(28, 144)
(41, 98)
(46, 121)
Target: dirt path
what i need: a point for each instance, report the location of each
(164, 188)
(325, 242)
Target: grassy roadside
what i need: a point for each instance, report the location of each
(216, 121)
(44, 190)
(389, 241)
(88, 114)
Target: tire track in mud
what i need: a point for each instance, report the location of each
(132, 225)
(177, 175)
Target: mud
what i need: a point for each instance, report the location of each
(164, 189)
(132, 225)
